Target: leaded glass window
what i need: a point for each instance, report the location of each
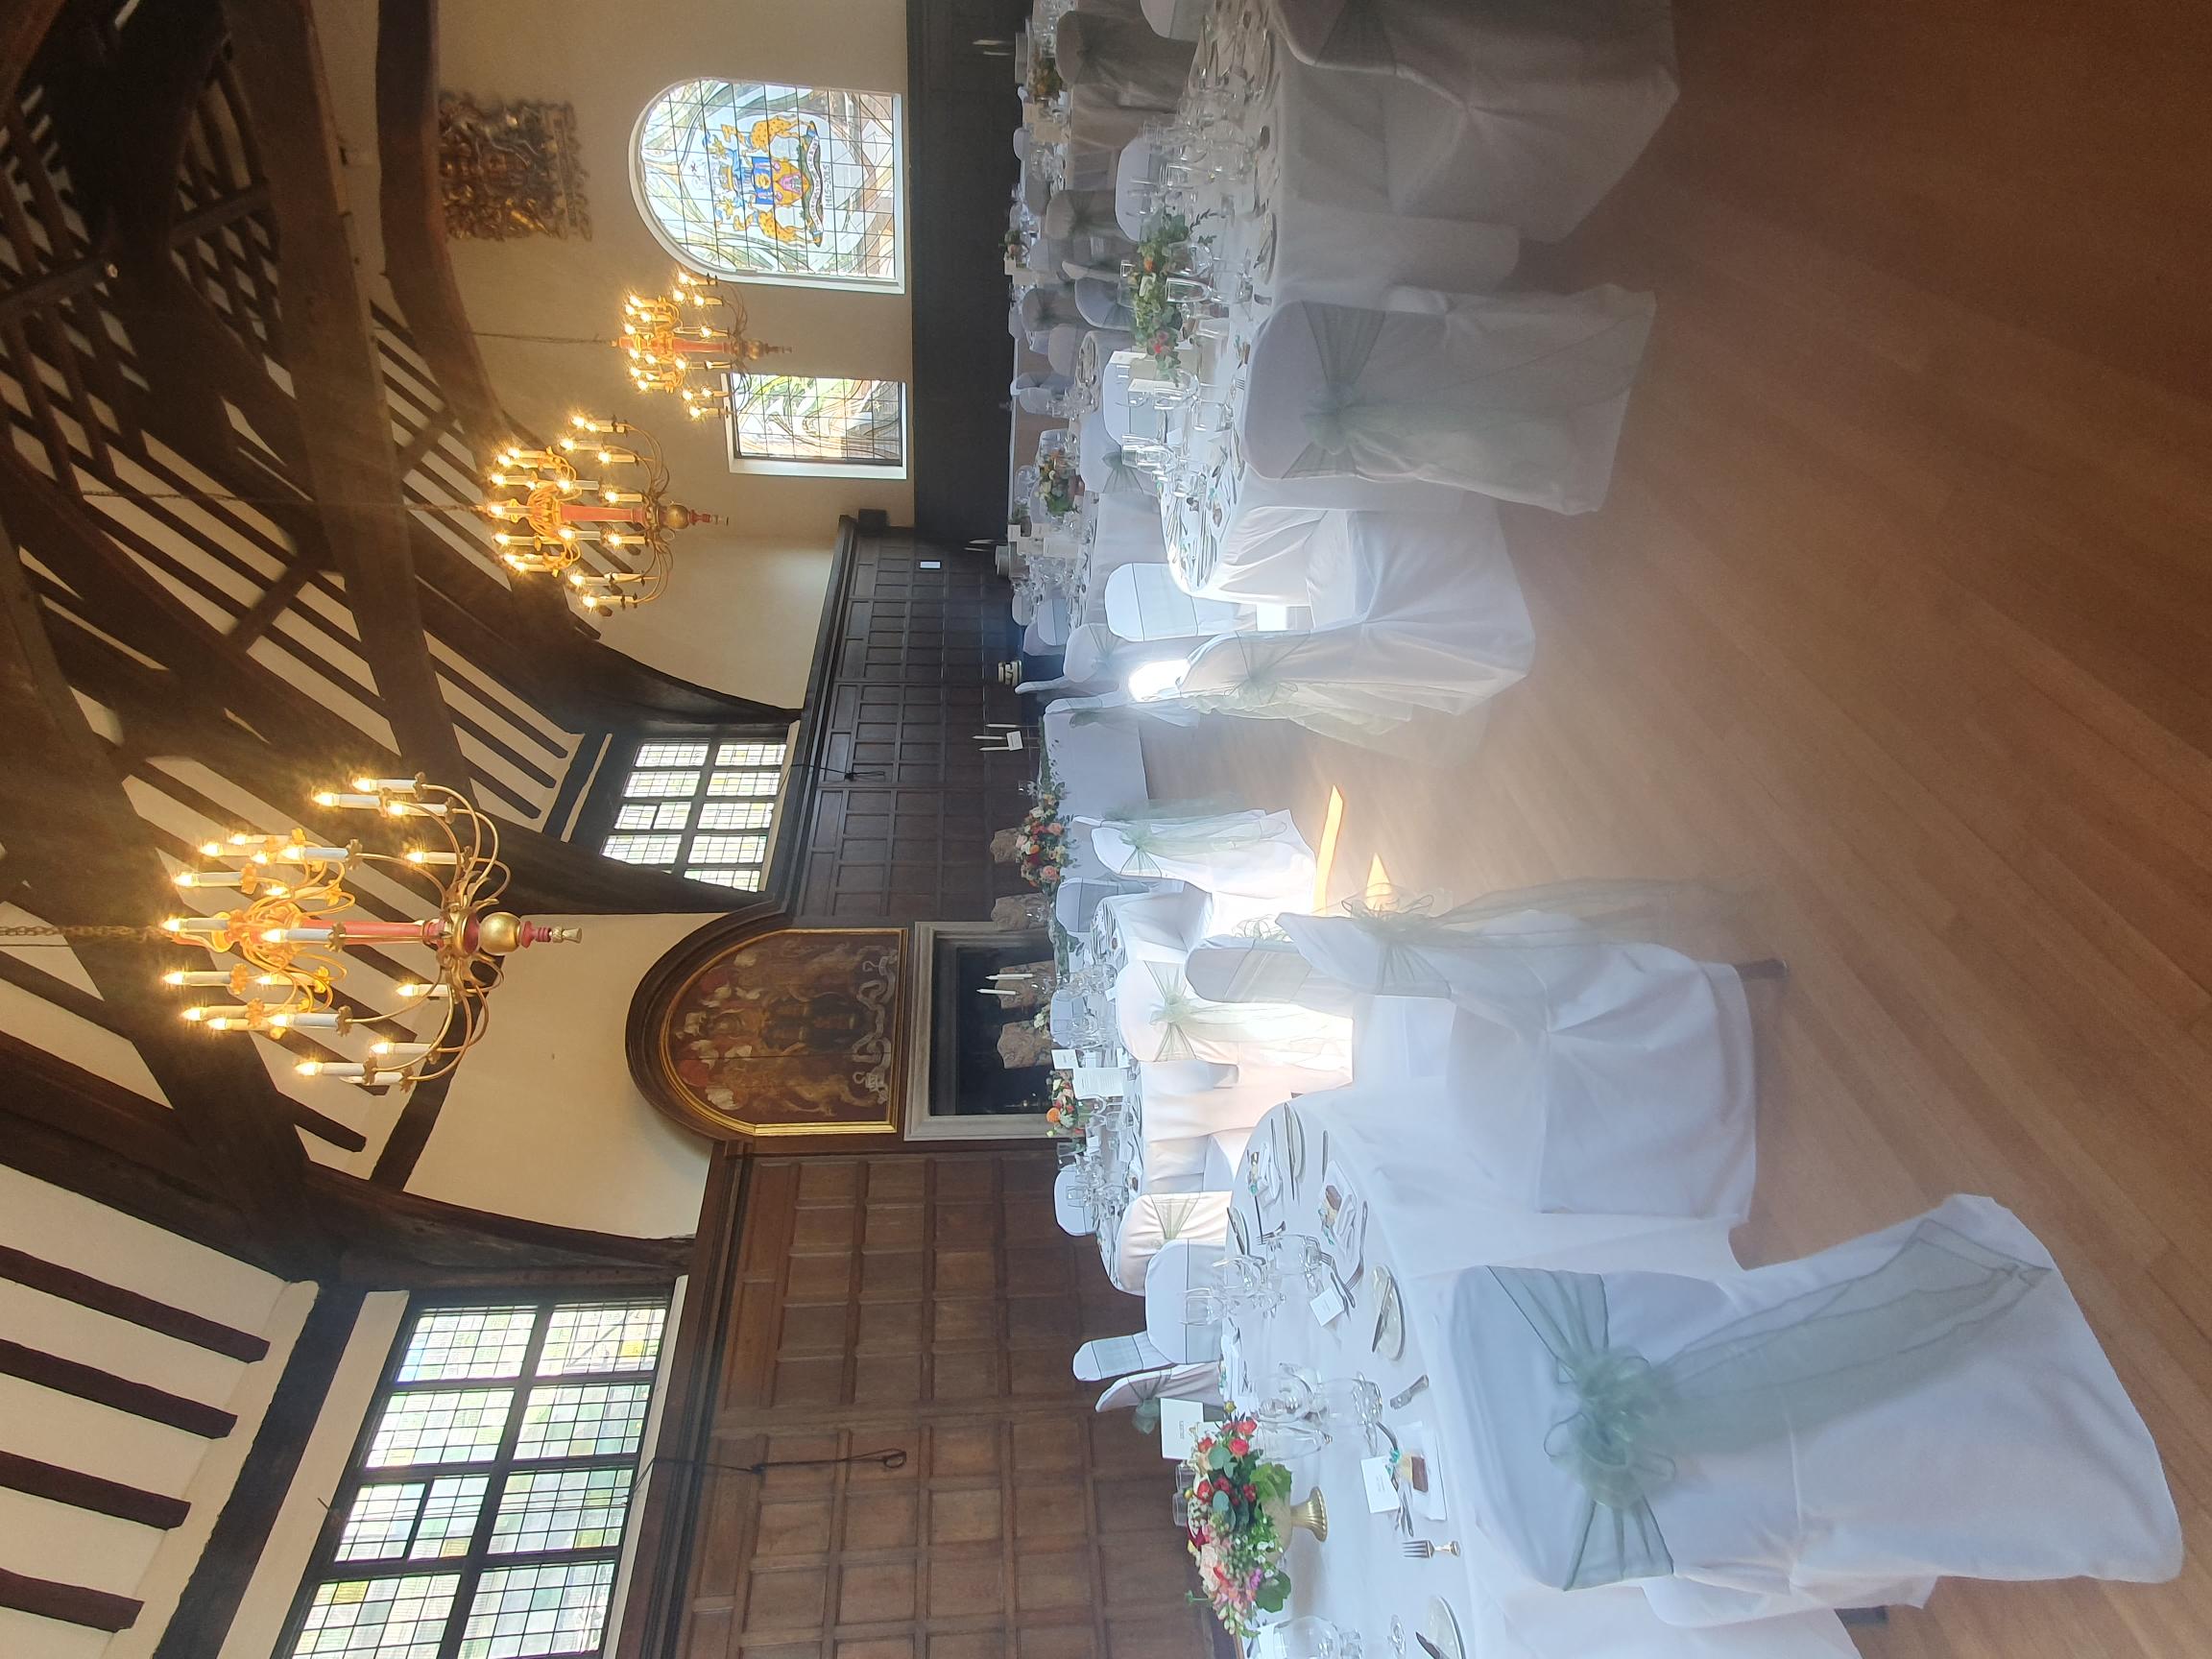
(706, 811)
(798, 422)
(767, 183)
(483, 1518)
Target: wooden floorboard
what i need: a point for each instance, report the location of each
(1897, 629)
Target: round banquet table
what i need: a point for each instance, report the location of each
(1359, 1578)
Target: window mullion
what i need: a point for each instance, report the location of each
(471, 1564)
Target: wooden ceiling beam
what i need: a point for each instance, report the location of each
(335, 371)
(86, 858)
(412, 215)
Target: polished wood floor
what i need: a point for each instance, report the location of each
(1898, 626)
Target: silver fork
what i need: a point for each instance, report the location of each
(1421, 1550)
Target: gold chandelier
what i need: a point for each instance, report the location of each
(670, 338)
(608, 534)
(281, 951)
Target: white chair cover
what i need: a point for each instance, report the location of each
(1104, 469)
(1099, 299)
(1237, 970)
(1429, 623)
(1597, 1077)
(1104, 1356)
(1155, 1220)
(1527, 111)
(1076, 900)
(1178, 19)
(1035, 391)
(1161, 925)
(1061, 344)
(1098, 761)
(1162, 1019)
(1257, 855)
(1067, 1208)
(1201, 1382)
(1142, 602)
(1131, 176)
(1837, 1432)
(1519, 397)
(1224, 1155)
(1047, 306)
(1178, 1268)
(1123, 61)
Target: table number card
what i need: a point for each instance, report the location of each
(1329, 1306)
(1064, 1059)
(1382, 1487)
(1181, 1423)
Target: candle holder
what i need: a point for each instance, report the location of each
(286, 941)
(687, 341)
(606, 535)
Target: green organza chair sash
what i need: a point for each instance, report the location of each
(1783, 1370)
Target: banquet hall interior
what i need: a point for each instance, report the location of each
(1304, 829)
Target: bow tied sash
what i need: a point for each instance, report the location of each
(1629, 1422)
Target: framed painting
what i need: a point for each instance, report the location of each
(788, 1031)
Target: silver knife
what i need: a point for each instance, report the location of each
(1428, 1646)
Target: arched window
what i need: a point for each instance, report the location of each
(770, 183)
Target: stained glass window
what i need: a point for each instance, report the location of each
(767, 182)
(674, 811)
(848, 425)
(520, 1493)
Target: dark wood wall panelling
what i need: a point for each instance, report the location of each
(904, 679)
(962, 109)
(926, 1304)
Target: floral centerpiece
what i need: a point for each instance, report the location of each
(1156, 322)
(1236, 1506)
(1016, 245)
(1041, 849)
(1058, 481)
(1066, 1118)
(1045, 82)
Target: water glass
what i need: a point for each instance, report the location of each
(1312, 1638)
(1349, 1401)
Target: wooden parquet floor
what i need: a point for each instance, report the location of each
(1898, 626)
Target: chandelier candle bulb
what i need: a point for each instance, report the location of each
(196, 977)
(425, 855)
(208, 1012)
(391, 786)
(389, 1050)
(199, 925)
(210, 877)
(416, 989)
(299, 853)
(331, 1068)
(312, 1020)
(354, 803)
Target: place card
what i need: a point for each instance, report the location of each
(1181, 1423)
(1381, 1488)
(1329, 1306)
(1063, 1059)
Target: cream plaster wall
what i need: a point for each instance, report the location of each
(543, 1121)
(749, 594)
(609, 60)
